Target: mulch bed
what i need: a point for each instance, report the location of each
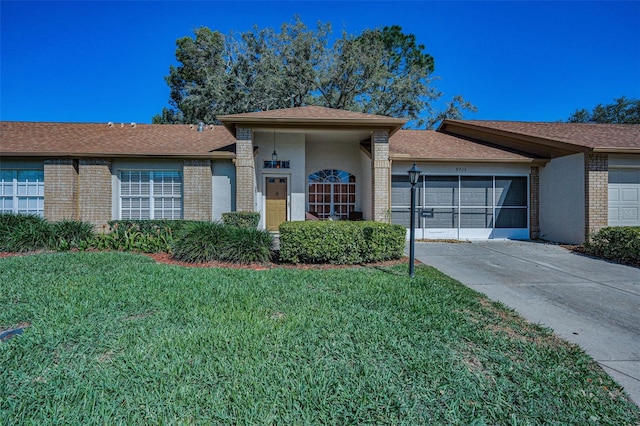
(580, 250)
(166, 259)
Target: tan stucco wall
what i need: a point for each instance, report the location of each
(342, 155)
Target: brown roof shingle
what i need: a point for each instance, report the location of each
(308, 112)
(435, 146)
(597, 137)
(118, 140)
(311, 115)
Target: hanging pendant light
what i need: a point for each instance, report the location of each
(274, 156)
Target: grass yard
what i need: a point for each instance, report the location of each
(115, 338)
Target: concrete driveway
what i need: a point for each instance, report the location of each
(591, 302)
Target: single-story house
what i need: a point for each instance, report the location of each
(481, 179)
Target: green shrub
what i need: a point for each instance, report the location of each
(71, 234)
(246, 245)
(149, 227)
(22, 233)
(147, 236)
(618, 243)
(340, 242)
(209, 241)
(200, 243)
(241, 219)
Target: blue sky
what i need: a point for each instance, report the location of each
(106, 61)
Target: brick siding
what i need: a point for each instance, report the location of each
(94, 192)
(245, 171)
(596, 176)
(197, 190)
(380, 177)
(534, 203)
(61, 189)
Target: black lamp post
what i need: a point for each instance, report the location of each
(414, 176)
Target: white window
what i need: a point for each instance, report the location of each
(150, 195)
(22, 191)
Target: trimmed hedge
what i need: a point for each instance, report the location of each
(620, 243)
(340, 242)
(209, 241)
(241, 219)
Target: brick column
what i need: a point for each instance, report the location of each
(596, 192)
(380, 177)
(196, 190)
(94, 192)
(60, 189)
(534, 203)
(245, 171)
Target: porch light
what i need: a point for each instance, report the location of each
(414, 176)
(274, 156)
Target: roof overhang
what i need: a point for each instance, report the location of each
(538, 146)
(617, 150)
(209, 156)
(232, 122)
(409, 158)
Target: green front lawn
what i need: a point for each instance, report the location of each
(116, 339)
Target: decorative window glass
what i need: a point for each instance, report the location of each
(277, 164)
(332, 194)
(150, 195)
(22, 191)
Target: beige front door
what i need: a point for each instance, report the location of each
(276, 190)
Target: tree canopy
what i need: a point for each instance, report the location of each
(622, 111)
(380, 71)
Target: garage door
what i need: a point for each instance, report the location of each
(624, 197)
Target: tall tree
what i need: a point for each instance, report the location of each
(622, 111)
(380, 71)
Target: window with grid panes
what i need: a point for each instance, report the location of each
(22, 191)
(332, 193)
(150, 194)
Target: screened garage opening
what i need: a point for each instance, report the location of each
(464, 207)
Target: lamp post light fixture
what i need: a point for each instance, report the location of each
(414, 176)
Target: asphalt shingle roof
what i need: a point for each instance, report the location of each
(310, 112)
(593, 136)
(432, 145)
(84, 139)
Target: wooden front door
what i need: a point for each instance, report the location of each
(276, 190)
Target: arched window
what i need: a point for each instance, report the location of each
(332, 193)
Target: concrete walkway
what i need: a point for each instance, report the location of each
(588, 301)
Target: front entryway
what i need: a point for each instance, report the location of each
(276, 202)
